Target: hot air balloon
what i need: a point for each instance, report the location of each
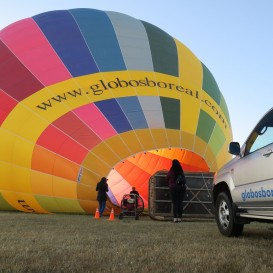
(86, 93)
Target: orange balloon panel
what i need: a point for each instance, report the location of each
(137, 170)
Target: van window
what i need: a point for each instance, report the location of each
(264, 138)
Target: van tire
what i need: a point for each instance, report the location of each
(225, 216)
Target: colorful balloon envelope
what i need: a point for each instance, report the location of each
(85, 94)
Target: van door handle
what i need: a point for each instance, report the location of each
(268, 153)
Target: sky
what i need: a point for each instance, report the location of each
(234, 39)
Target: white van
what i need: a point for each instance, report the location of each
(243, 188)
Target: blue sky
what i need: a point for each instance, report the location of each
(234, 39)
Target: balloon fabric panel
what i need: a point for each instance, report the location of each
(60, 145)
(132, 141)
(205, 126)
(4, 205)
(210, 85)
(217, 139)
(190, 68)
(132, 109)
(102, 42)
(48, 162)
(6, 105)
(11, 68)
(164, 51)
(72, 126)
(133, 42)
(96, 121)
(64, 35)
(153, 111)
(159, 137)
(114, 114)
(29, 45)
(224, 107)
(118, 146)
(171, 112)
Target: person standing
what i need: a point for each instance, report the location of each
(134, 191)
(134, 194)
(102, 189)
(177, 189)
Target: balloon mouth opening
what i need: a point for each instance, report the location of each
(135, 171)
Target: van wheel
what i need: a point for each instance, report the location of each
(225, 216)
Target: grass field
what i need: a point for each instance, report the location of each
(80, 243)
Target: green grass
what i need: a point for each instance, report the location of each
(80, 243)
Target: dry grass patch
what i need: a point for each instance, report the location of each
(79, 243)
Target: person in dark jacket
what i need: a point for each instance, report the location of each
(177, 191)
(134, 194)
(102, 189)
(134, 191)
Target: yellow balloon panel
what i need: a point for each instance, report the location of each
(200, 146)
(54, 204)
(190, 114)
(160, 138)
(174, 138)
(99, 165)
(6, 170)
(132, 141)
(149, 143)
(190, 69)
(23, 202)
(48, 162)
(118, 146)
(41, 183)
(187, 141)
(6, 145)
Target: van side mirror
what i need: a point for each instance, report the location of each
(234, 148)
